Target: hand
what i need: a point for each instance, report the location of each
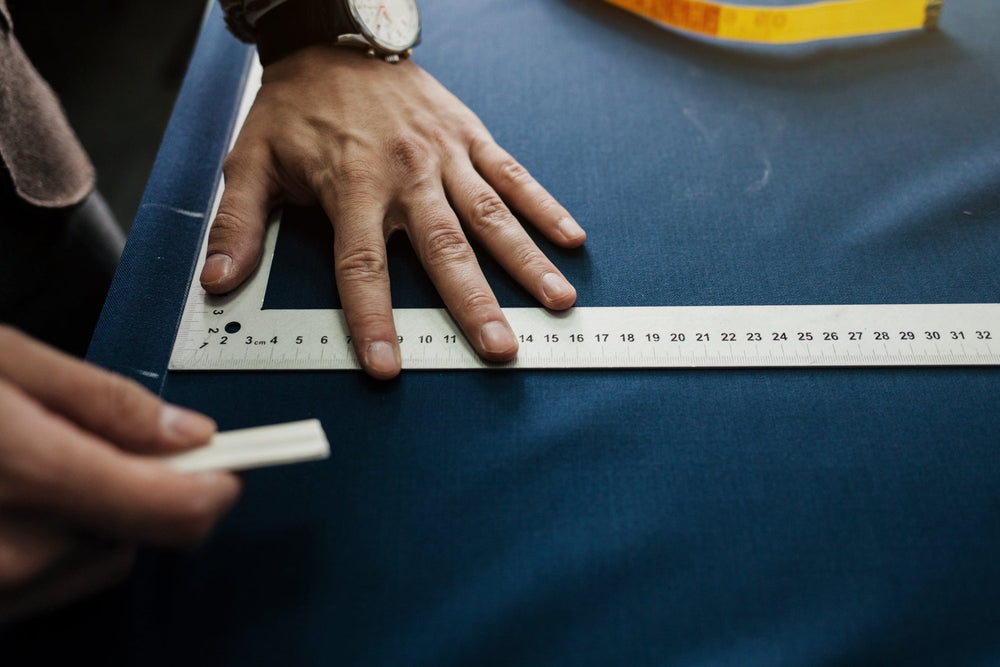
(75, 496)
(384, 148)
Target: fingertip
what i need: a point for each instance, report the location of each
(571, 232)
(218, 267)
(218, 491)
(227, 487)
(558, 293)
(183, 428)
(235, 242)
(497, 341)
(220, 274)
(381, 360)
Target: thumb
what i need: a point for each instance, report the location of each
(237, 234)
(102, 402)
(57, 468)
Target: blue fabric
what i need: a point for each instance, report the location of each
(706, 517)
(144, 304)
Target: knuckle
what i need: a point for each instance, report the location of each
(408, 152)
(353, 175)
(443, 138)
(243, 168)
(246, 157)
(513, 173)
(233, 164)
(489, 213)
(369, 323)
(530, 257)
(476, 299)
(116, 399)
(548, 207)
(227, 225)
(361, 265)
(446, 244)
(16, 567)
(25, 553)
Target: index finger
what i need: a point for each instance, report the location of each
(66, 471)
(103, 402)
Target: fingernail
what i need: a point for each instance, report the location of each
(382, 359)
(222, 480)
(556, 288)
(570, 230)
(185, 426)
(497, 338)
(217, 267)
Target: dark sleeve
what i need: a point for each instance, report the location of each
(242, 15)
(41, 155)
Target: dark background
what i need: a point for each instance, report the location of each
(116, 66)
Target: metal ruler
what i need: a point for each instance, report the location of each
(233, 332)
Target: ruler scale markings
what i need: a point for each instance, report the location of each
(431, 340)
(233, 332)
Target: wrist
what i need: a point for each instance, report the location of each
(386, 29)
(294, 25)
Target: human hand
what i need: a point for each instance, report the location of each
(76, 495)
(384, 148)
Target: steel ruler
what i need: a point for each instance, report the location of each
(234, 332)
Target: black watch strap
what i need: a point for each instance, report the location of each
(295, 24)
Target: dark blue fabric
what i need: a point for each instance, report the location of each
(705, 517)
(146, 299)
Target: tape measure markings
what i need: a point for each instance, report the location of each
(234, 333)
(790, 23)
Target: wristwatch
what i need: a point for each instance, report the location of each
(387, 29)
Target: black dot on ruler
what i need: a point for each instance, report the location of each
(232, 327)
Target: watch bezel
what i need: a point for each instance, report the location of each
(381, 47)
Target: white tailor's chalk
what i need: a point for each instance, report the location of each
(246, 448)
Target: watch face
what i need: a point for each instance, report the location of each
(392, 25)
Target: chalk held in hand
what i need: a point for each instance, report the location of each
(293, 442)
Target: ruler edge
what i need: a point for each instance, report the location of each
(350, 363)
(718, 361)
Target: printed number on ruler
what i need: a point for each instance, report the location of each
(234, 332)
(654, 337)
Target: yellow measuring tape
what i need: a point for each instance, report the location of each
(789, 24)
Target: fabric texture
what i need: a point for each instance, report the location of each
(653, 517)
(39, 152)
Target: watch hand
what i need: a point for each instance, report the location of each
(384, 9)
